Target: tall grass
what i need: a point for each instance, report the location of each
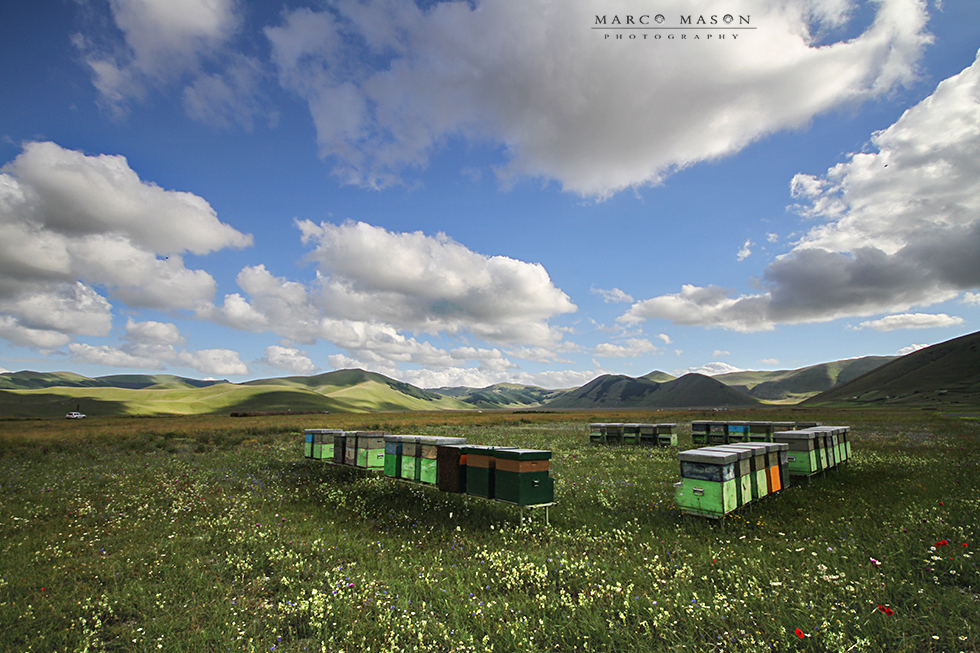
(213, 534)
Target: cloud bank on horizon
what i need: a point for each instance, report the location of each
(389, 85)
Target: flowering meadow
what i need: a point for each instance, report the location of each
(215, 534)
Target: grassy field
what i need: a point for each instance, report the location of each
(214, 534)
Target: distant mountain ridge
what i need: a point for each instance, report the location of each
(945, 373)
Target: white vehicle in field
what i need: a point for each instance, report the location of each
(74, 415)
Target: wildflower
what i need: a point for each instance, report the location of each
(799, 633)
(876, 563)
(942, 542)
(886, 610)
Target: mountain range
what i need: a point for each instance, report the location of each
(946, 373)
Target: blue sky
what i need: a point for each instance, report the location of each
(466, 193)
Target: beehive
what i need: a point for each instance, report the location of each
(597, 432)
(717, 433)
(699, 432)
(648, 434)
(480, 467)
(614, 432)
(350, 449)
(371, 449)
(760, 431)
(667, 435)
(708, 483)
(784, 475)
(428, 459)
(761, 483)
(743, 470)
(411, 453)
(738, 431)
(521, 477)
(452, 467)
(393, 455)
(308, 445)
(339, 447)
(802, 456)
(631, 433)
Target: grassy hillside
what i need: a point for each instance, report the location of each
(799, 384)
(943, 374)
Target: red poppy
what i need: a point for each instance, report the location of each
(799, 633)
(886, 610)
(942, 542)
(964, 544)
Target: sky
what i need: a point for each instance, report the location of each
(462, 193)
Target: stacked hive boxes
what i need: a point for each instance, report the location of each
(699, 432)
(656, 434)
(371, 449)
(760, 431)
(719, 479)
(452, 467)
(815, 449)
(738, 431)
(322, 440)
(521, 477)
(308, 446)
(480, 468)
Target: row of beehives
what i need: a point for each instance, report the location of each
(714, 432)
(720, 479)
(664, 435)
(508, 474)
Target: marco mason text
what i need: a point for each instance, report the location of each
(657, 26)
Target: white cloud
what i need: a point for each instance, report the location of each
(709, 369)
(432, 284)
(911, 348)
(665, 338)
(912, 321)
(220, 362)
(70, 222)
(770, 361)
(970, 298)
(612, 296)
(772, 238)
(902, 228)
(561, 97)
(632, 347)
(169, 43)
(745, 252)
(720, 352)
(289, 359)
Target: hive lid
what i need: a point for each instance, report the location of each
(795, 435)
(522, 454)
(711, 457)
(743, 452)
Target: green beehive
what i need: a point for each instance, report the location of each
(738, 431)
(631, 433)
(699, 432)
(322, 443)
(521, 477)
(480, 469)
(308, 446)
(371, 449)
(667, 435)
(760, 469)
(648, 434)
(783, 451)
(802, 456)
(846, 435)
(597, 432)
(428, 458)
(393, 455)
(743, 470)
(708, 483)
(411, 452)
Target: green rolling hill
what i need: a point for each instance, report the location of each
(793, 386)
(689, 391)
(941, 375)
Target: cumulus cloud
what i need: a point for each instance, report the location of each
(387, 83)
(146, 345)
(172, 43)
(912, 321)
(911, 348)
(721, 352)
(220, 362)
(70, 222)
(631, 347)
(432, 284)
(900, 227)
(289, 359)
